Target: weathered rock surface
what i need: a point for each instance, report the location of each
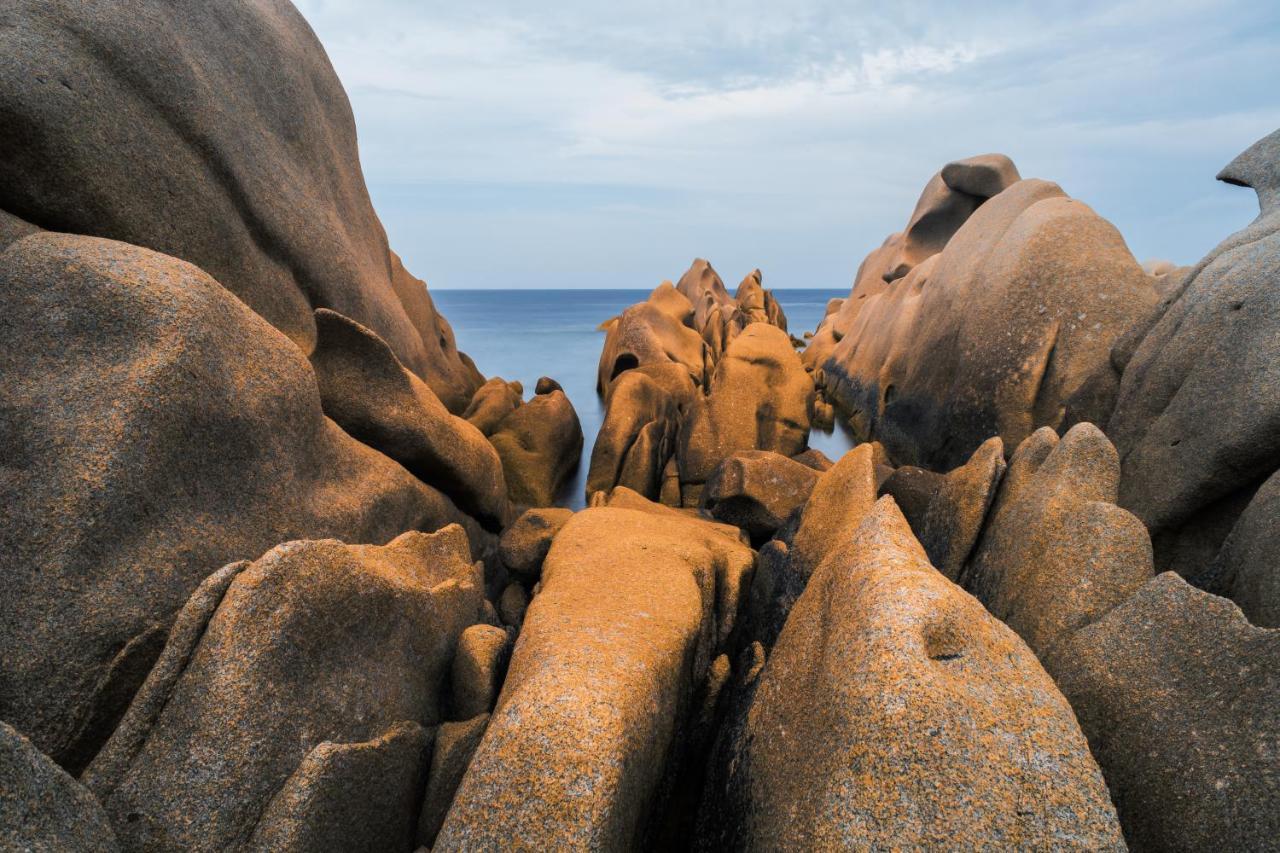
(540, 445)
(952, 520)
(44, 809)
(1057, 553)
(1197, 421)
(759, 399)
(525, 543)
(632, 607)
(455, 745)
(154, 429)
(637, 437)
(1008, 328)
(895, 712)
(656, 331)
(706, 293)
(1180, 698)
(315, 642)
(366, 390)
(493, 401)
(153, 124)
(478, 666)
(757, 490)
(1247, 569)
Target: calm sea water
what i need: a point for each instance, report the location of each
(525, 334)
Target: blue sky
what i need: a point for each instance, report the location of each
(589, 144)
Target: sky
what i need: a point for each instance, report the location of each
(590, 144)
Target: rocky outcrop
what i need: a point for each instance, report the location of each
(42, 808)
(298, 703)
(540, 445)
(495, 399)
(454, 747)
(588, 728)
(175, 431)
(1247, 569)
(366, 390)
(930, 368)
(525, 543)
(757, 490)
(1057, 553)
(758, 399)
(895, 712)
(656, 331)
(1197, 421)
(637, 437)
(1180, 699)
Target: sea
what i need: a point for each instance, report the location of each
(526, 334)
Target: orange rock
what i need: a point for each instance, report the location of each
(540, 445)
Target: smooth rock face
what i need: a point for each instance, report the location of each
(349, 796)
(657, 331)
(706, 292)
(540, 444)
(1180, 698)
(1057, 553)
(632, 608)
(894, 712)
(1197, 421)
(44, 809)
(758, 399)
(154, 429)
(1247, 569)
(525, 543)
(930, 367)
(316, 641)
(366, 390)
(152, 123)
(492, 402)
(757, 490)
(637, 436)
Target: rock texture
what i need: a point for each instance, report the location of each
(1180, 699)
(637, 437)
(657, 331)
(632, 607)
(455, 745)
(525, 543)
(154, 429)
(1057, 552)
(154, 124)
(757, 490)
(1006, 329)
(1197, 422)
(315, 642)
(895, 712)
(44, 809)
(540, 445)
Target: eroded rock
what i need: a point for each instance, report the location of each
(757, 490)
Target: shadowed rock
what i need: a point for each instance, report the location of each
(495, 399)
(894, 712)
(637, 436)
(154, 429)
(316, 641)
(1180, 698)
(455, 745)
(1197, 421)
(633, 607)
(366, 390)
(1057, 553)
(478, 667)
(42, 808)
(951, 522)
(1247, 569)
(540, 445)
(525, 543)
(757, 490)
(155, 124)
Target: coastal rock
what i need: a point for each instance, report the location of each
(366, 390)
(1057, 553)
(656, 331)
(757, 305)
(931, 367)
(894, 712)
(43, 808)
(1197, 421)
(540, 445)
(759, 399)
(953, 519)
(525, 543)
(478, 666)
(757, 490)
(155, 125)
(316, 641)
(455, 745)
(632, 608)
(494, 400)
(174, 432)
(706, 293)
(1180, 699)
(637, 436)
(1247, 569)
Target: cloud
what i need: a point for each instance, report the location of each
(587, 144)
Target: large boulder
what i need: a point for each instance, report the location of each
(637, 437)
(154, 428)
(895, 713)
(1197, 421)
(759, 398)
(1247, 569)
(757, 490)
(525, 543)
(706, 293)
(1057, 553)
(540, 445)
(218, 134)
(370, 394)
(1007, 329)
(656, 331)
(1180, 699)
(588, 729)
(952, 519)
(44, 809)
(314, 646)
